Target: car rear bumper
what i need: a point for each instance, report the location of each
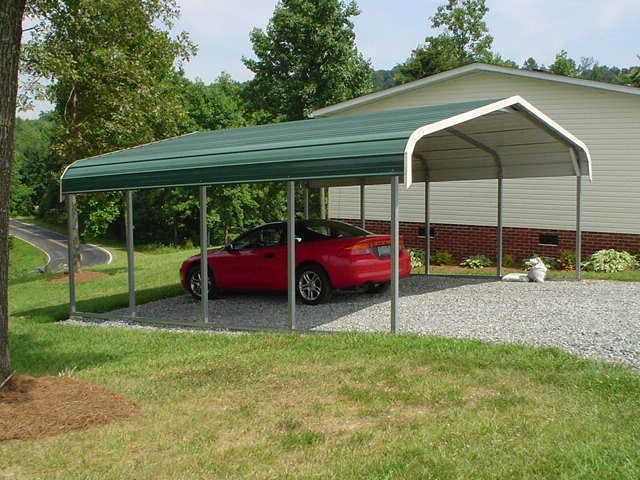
(350, 272)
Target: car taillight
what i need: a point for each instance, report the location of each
(363, 248)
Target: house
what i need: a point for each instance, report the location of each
(539, 213)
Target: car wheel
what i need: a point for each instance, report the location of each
(194, 282)
(377, 288)
(312, 285)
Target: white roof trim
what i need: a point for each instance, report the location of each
(478, 112)
(467, 69)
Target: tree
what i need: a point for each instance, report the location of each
(464, 39)
(306, 59)
(530, 64)
(10, 37)
(564, 65)
(34, 179)
(110, 70)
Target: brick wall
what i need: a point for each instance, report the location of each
(463, 241)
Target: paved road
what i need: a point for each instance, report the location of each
(54, 245)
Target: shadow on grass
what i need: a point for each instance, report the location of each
(33, 354)
(101, 304)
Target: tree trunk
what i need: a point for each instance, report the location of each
(10, 36)
(73, 133)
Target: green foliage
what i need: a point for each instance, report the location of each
(108, 68)
(567, 260)
(609, 260)
(564, 65)
(442, 258)
(35, 170)
(476, 262)
(549, 262)
(417, 257)
(216, 106)
(306, 59)
(508, 261)
(464, 39)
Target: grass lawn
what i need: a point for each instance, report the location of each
(341, 406)
(24, 258)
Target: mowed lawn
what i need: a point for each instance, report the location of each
(289, 406)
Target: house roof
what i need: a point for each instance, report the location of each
(471, 140)
(467, 70)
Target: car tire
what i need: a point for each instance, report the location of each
(377, 288)
(194, 282)
(312, 284)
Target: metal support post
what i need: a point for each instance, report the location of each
(71, 253)
(204, 266)
(362, 205)
(291, 253)
(578, 225)
(395, 252)
(427, 229)
(128, 197)
(500, 221)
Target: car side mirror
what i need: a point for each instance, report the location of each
(229, 246)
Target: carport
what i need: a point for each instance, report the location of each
(489, 139)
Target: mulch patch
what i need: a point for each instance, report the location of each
(82, 276)
(32, 408)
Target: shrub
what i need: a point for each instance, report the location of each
(11, 244)
(508, 261)
(417, 257)
(548, 261)
(442, 258)
(609, 260)
(476, 261)
(567, 260)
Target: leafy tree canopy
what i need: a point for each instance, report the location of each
(109, 69)
(306, 59)
(464, 39)
(564, 65)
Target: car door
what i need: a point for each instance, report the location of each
(252, 261)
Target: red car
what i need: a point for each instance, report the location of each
(330, 255)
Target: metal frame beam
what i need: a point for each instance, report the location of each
(291, 254)
(500, 176)
(204, 264)
(395, 252)
(128, 197)
(71, 253)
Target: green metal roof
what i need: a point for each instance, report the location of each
(345, 149)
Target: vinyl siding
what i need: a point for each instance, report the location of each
(608, 122)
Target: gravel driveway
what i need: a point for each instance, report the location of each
(595, 319)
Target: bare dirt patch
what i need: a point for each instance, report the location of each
(32, 408)
(82, 276)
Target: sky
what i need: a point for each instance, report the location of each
(388, 30)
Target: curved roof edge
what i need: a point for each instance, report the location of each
(517, 103)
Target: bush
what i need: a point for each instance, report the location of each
(442, 258)
(476, 262)
(417, 257)
(609, 260)
(567, 260)
(548, 261)
(11, 244)
(508, 261)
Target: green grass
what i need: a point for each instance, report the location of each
(24, 258)
(342, 406)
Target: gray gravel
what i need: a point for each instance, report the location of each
(594, 319)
